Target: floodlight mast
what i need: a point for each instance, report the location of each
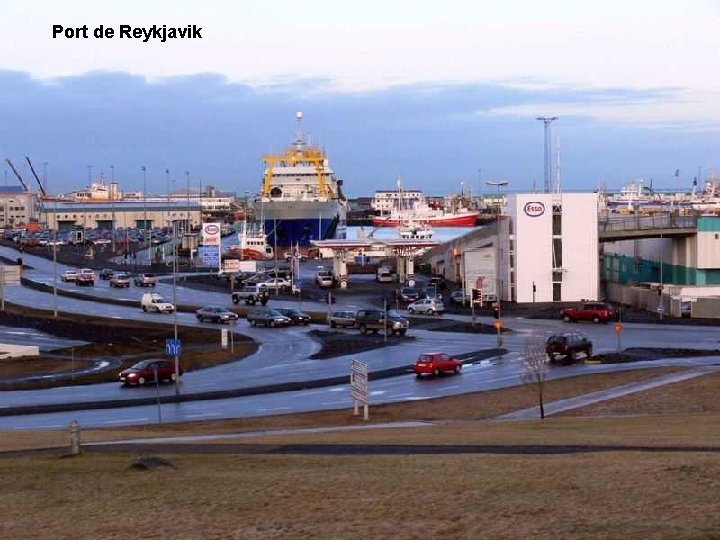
(547, 173)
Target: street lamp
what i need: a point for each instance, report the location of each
(55, 295)
(112, 206)
(144, 171)
(175, 320)
(498, 184)
(547, 120)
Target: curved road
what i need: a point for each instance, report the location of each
(283, 356)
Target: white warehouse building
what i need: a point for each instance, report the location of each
(553, 246)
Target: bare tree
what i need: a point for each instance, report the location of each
(534, 367)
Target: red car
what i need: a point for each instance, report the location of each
(144, 372)
(596, 312)
(436, 363)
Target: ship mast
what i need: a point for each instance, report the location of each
(299, 143)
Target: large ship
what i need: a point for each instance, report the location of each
(301, 200)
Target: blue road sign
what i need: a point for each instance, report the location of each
(172, 347)
(211, 255)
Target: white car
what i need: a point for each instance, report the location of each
(155, 302)
(69, 275)
(324, 279)
(277, 284)
(427, 306)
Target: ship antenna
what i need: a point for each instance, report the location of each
(298, 131)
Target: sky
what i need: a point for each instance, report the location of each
(436, 93)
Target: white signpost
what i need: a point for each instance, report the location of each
(9, 275)
(211, 245)
(359, 388)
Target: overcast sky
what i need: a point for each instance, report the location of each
(434, 92)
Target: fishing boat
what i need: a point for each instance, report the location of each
(420, 212)
(253, 244)
(301, 198)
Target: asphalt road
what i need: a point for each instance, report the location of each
(283, 356)
(484, 376)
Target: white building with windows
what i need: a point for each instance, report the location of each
(552, 245)
(64, 215)
(545, 249)
(385, 201)
(17, 206)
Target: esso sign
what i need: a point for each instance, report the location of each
(534, 209)
(211, 229)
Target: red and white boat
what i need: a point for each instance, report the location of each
(253, 245)
(432, 218)
(416, 210)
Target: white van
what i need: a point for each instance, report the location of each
(384, 275)
(155, 302)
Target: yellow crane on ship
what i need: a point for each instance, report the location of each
(300, 154)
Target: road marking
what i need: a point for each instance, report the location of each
(49, 426)
(449, 387)
(201, 415)
(343, 402)
(126, 421)
(274, 409)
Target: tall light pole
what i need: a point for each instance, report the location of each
(112, 206)
(55, 295)
(479, 187)
(187, 194)
(144, 171)
(498, 184)
(175, 320)
(547, 173)
(167, 181)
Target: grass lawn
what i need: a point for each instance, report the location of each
(617, 495)
(623, 494)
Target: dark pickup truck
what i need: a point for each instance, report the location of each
(373, 320)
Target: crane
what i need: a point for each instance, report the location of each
(16, 173)
(42, 189)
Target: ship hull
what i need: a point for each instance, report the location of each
(449, 220)
(298, 223)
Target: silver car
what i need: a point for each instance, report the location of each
(427, 306)
(345, 319)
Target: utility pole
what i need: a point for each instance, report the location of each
(547, 173)
(112, 206)
(145, 237)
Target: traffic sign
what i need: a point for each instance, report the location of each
(618, 327)
(359, 382)
(211, 256)
(498, 325)
(660, 308)
(172, 347)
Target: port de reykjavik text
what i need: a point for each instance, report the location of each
(154, 32)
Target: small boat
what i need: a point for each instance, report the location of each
(415, 231)
(253, 244)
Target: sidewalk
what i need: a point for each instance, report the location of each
(562, 405)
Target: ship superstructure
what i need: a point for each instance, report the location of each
(301, 199)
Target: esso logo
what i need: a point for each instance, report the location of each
(534, 209)
(212, 229)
